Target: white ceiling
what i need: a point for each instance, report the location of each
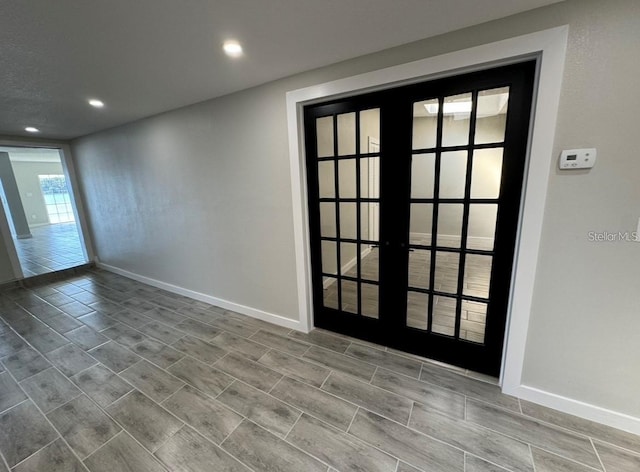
(143, 57)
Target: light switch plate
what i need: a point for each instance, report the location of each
(577, 159)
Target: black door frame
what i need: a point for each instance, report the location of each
(395, 137)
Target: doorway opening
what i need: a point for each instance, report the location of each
(414, 197)
(38, 203)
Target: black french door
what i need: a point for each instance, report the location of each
(414, 197)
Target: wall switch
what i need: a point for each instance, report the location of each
(577, 159)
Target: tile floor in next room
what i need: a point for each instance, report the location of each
(102, 373)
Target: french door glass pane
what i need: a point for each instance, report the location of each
(328, 219)
(348, 221)
(453, 171)
(420, 223)
(492, 115)
(455, 125)
(349, 296)
(482, 226)
(486, 173)
(330, 292)
(349, 259)
(450, 225)
(369, 294)
(370, 177)
(473, 322)
(329, 257)
(326, 179)
(425, 124)
(370, 131)
(370, 221)
(419, 268)
(346, 134)
(446, 277)
(444, 315)
(347, 178)
(324, 131)
(417, 310)
(477, 275)
(370, 264)
(422, 175)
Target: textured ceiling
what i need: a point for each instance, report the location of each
(143, 57)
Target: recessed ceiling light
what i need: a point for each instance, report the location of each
(232, 48)
(31, 129)
(96, 103)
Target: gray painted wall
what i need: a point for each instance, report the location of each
(200, 197)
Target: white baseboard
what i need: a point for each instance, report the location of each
(226, 304)
(577, 408)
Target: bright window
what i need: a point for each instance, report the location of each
(56, 198)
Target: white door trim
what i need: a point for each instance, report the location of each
(549, 48)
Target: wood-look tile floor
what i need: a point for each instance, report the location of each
(52, 247)
(102, 373)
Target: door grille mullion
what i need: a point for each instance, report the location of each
(434, 222)
(337, 185)
(465, 213)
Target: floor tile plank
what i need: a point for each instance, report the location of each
(409, 446)
(102, 385)
(201, 350)
(564, 443)
(445, 401)
(304, 371)
(83, 425)
(201, 376)
(123, 454)
(115, 356)
(281, 343)
(265, 452)
(146, 421)
(70, 359)
(86, 337)
(49, 389)
(25, 363)
(188, 451)
(157, 352)
(10, 393)
(152, 381)
(451, 380)
(399, 364)
(209, 417)
(589, 428)
(497, 448)
(248, 371)
(316, 402)
(547, 462)
(341, 363)
(322, 339)
(261, 408)
(617, 460)
(23, 431)
(233, 342)
(338, 449)
(56, 457)
(368, 396)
